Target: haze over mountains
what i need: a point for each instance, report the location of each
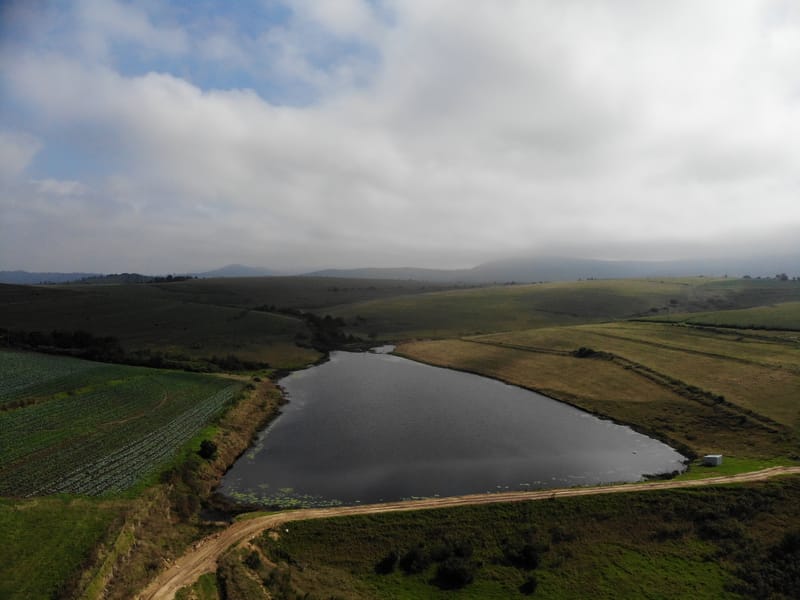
(523, 270)
(517, 269)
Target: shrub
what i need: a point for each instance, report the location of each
(415, 560)
(455, 572)
(386, 565)
(208, 450)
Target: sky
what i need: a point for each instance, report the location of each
(163, 137)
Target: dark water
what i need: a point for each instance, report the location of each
(375, 427)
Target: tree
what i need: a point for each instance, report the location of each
(208, 450)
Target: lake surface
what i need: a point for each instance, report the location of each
(371, 427)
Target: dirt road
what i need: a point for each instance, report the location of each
(202, 558)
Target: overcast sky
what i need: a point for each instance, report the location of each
(168, 137)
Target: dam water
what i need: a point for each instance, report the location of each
(373, 427)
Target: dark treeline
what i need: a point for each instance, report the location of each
(79, 343)
(326, 332)
(134, 278)
(82, 344)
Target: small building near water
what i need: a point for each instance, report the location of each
(712, 460)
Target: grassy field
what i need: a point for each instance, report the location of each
(784, 316)
(513, 308)
(707, 543)
(89, 428)
(306, 293)
(688, 419)
(109, 547)
(144, 317)
(46, 541)
(198, 319)
(761, 375)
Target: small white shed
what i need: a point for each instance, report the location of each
(712, 460)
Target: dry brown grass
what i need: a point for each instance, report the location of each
(610, 389)
(760, 375)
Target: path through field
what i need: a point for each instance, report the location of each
(202, 558)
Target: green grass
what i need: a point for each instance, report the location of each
(101, 428)
(732, 465)
(46, 542)
(784, 316)
(519, 307)
(145, 317)
(204, 589)
(464, 312)
(703, 543)
(201, 318)
(308, 293)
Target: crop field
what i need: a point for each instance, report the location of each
(25, 375)
(89, 428)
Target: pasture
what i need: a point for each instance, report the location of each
(762, 375)
(725, 542)
(145, 318)
(519, 307)
(784, 316)
(47, 540)
(71, 426)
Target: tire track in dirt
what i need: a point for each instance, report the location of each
(202, 558)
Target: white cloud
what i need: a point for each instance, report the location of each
(17, 149)
(102, 23)
(475, 130)
(56, 187)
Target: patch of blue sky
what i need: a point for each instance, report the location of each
(80, 155)
(273, 85)
(249, 18)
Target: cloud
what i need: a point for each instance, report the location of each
(17, 149)
(105, 23)
(433, 133)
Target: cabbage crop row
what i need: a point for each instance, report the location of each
(99, 430)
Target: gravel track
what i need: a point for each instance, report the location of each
(202, 557)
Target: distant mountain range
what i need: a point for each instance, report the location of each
(239, 271)
(28, 278)
(528, 270)
(519, 270)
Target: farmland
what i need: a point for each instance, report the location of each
(700, 390)
(708, 365)
(61, 533)
(520, 307)
(145, 319)
(193, 321)
(784, 316)
(71, 426)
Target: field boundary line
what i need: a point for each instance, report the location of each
(668, 382)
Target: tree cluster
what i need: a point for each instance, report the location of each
(78, 343)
